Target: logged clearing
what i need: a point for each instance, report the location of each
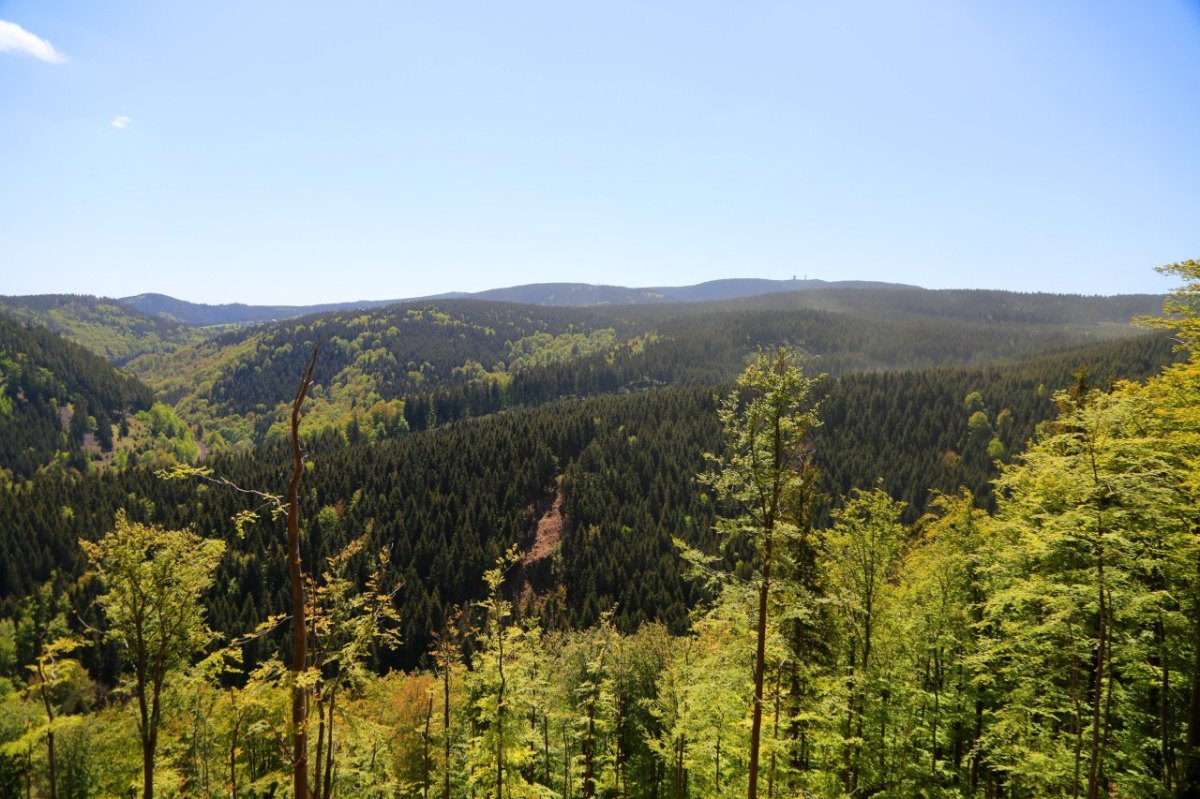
(549, 533)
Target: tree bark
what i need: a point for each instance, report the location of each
(296, 580)
(1093, 789)
(764, 589)
(1189, 774)
(446, 724)
(45, 693)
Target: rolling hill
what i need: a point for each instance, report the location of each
(59, 402)
(575, 295)
(110, 328)
(418, 364)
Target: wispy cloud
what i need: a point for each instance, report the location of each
(14, 38)
(121, 122)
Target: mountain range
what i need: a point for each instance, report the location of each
(574, 295)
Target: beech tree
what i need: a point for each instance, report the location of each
(502, 751)
(861, 559)
(1092, 540)
(153, 581)
(761, 478)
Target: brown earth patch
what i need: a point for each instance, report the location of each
(549, 533)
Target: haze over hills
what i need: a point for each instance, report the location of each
(585, 294)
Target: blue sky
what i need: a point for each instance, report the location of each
(293, 152)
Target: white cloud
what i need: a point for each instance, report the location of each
(121, 122)
(16, 39)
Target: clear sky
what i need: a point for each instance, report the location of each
(273, 151)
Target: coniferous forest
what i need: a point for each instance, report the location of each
(827, 543)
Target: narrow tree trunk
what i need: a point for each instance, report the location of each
(1189, 775)
(1164, 725)
(319, 760)
(1076, 687)
(680, 743)
(619, 760)
(566, 763)
(147, 768)
(426, 757)
(446, 725)
(51, 762)
(546, 747)
(589, 744)
(327, 792)
(717, 766)
(775, 732)
(296, 580)
(847, 747)
(233, 742)
(1093, 789)
(935, 754)
(760, 647)
(500, 713)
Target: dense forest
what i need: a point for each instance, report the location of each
(435, 362)
(110, 328)
(837, 545)
(54, 396)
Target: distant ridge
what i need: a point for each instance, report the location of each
(200, 314)
(571, 295)
(738, 287)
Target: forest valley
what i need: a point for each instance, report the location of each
(862, 584)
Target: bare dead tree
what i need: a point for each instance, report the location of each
(296, 580)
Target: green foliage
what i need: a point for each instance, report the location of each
(153, 580)
(1182, 307)
(114, 331)
(962, 656)
(54, 394)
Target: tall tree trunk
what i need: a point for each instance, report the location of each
(847, 747)
(319, 760)
(775, 732)
(426, 756)
(446, 725)
(619, 760)
(296, 581)
(1093, 789)
(760, 650)
(1189, 774)
(327, 791)
(679, 747)
(233, 742)
(546, 747)
(51, 762)
(147, 768)
(500, 713)
(717, 765)
(589, 744)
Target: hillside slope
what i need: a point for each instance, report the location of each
(575, 295)
(447, 502)
(418, 364)
(107, 327)
(56, 398)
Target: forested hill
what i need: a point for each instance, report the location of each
(203, 315)
(586, 294)
(107, 327)
(557, 523)
(972, 305)
(554, 294)
(448, 502)
(55, 397)
(418, 364)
